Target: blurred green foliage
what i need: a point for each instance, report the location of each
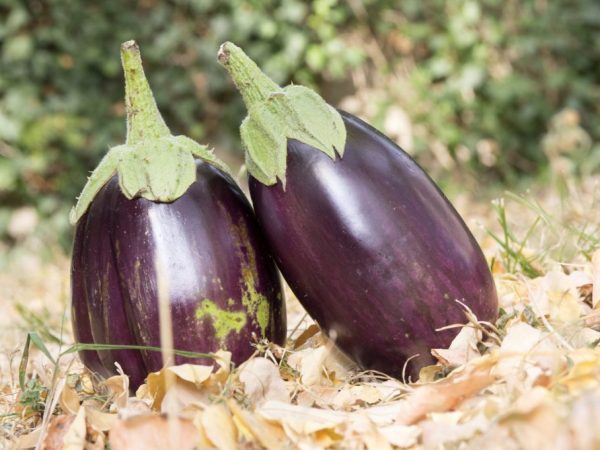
(491, 74)
(479, 78)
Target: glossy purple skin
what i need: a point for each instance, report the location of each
(205, 239)
(374, 251)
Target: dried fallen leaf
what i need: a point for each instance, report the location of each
(403, 436)
(309, 362)
(74, 438)
(190, 378)
(534, 421)
(270, 436)
(299, 420)
(322, 365)
(195, 374)
(583, 422)
(69, 400)
(135, 407)
(362, 426)
(153, 432)
(353, 395)
(584, 372)
(100, 420)
(440, 434)
(32, 438)
(219, 427)
(262, 381)
(186, 383)
(54, 437)
(118, 386)
(462, 349)
(556, 296)
(447, 393)
(173, 388)
(523, 347)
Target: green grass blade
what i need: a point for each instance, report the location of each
(37, 341)
(82, 347)
(23, 363)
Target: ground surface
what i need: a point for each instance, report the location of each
(531, 380)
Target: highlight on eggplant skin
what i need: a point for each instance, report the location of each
(374, 251)
(224, 289)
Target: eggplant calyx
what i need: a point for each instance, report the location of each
(276, 114)
(152, 163)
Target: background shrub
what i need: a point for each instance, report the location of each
(468, 84)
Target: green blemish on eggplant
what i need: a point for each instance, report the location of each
(254, 302)
(224, 322)
(277, 114)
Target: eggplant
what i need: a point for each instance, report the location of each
(368, 243)
(142, 224)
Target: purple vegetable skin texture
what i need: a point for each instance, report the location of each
(210, 247)
(374, 251)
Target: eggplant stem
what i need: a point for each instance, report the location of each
(252, 83)
(144, 121)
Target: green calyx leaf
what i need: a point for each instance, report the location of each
(277, 114)
(152, 163)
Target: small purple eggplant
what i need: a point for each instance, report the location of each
(151, 214)
(368, 243)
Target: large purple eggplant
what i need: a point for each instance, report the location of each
(142, 223)
(370, 246)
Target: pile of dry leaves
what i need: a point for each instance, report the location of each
(529, 381)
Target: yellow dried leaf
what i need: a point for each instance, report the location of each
(87, 385)
(185, 396)
(556, 295)
(583, 422)
(316, 395)
(270, 436)
(403, 436)
(300, 420)
(54, 437)
(326, 438)
(462, 349)
(351, 395)
(74, 438)
(362, 426)
(135, 407)
(429, 374)
(447, 393)
(153, 432)
(523, 347)
(262, 381)
(203, 441)
(309, 362)
(534, 421)
(181, 383)
(195, 374)
(101, 421)
(318, 365)
(118, 386)
(69, 400)
(219, 427)
(444, 430)
(584, 374)
(32, 438)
